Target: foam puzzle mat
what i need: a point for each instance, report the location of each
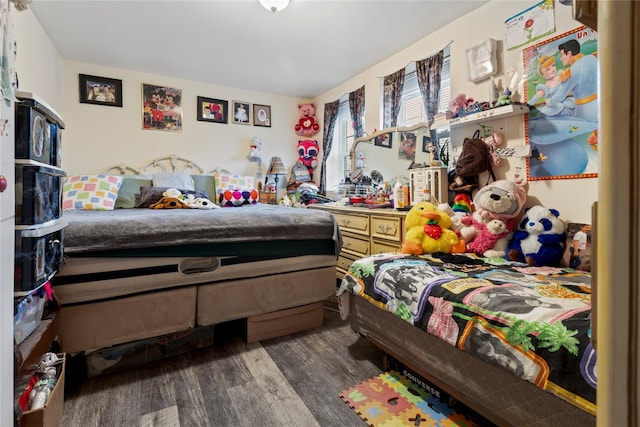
(390, 399)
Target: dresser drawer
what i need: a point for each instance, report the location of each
(383, 247)
(344, 262)
(386, 228)
(356, 245)
(354, 223)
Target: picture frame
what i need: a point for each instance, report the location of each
(561, 126)
(262, 115)
(212, 110)
(161, 108)
(385, 140)
(241, 112)
(407, 148)
(100, 90)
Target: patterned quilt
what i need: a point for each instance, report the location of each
(533, 321)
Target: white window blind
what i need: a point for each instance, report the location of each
(412, 109)
(339, 161)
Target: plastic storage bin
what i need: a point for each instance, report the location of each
(38, 256)
(38, 193)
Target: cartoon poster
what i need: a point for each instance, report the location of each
(162, 108)
(561, 86)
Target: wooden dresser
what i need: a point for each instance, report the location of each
(365, 232)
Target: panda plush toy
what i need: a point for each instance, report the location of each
(540, 238)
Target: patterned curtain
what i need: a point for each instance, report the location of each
(330, 116)
(393, 84)
(428, 72)
(356, 107)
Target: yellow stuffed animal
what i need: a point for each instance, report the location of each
(169, 203)
(428, 231)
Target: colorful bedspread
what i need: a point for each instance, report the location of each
(533, 321)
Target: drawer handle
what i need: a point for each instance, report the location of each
(385, 229)
(346, 221)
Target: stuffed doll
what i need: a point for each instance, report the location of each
(428, 230)
(308, 153)
(500, 199)
(540, 238)
(491, 240)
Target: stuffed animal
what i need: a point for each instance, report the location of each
(255, 150)
(427, 230)
(491, 240)
(172, 193)
(169, 203)
(308, 153)
(307, 110)
(540, 238)
(360, 160)
(501, 199)
(202, 203)
(307, 127)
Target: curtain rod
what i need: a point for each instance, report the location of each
(427, 56)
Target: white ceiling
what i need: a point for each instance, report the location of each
(303, 51)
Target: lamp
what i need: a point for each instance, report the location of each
(274, 5)
(276, 167)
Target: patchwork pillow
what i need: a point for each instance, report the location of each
(231, 198)
(129, 194)
(233, 182)
(150, 195)
(173, 180)
(90, 192)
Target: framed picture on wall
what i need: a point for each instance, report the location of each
(161, 108)
(100, 90)
(384, 140)
(241, 112)
(212, 110)
(262, 115)
(407, 149)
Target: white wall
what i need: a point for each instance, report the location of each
(468, 31)
(98, 137)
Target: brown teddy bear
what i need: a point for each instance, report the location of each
(169, 203)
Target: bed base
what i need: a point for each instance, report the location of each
(485, 388)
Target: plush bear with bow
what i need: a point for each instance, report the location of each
(501, 199)
(307, 125)
(540, 239)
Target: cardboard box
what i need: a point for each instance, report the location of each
(51, 414)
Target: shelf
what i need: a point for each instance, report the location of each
(491, 114)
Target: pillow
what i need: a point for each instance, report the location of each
(90, 192)
(206, 183)
(150, 195)
(233, 182)
(173, 180)
(231, 198)
(129, 194)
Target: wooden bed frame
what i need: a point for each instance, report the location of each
(485, 388)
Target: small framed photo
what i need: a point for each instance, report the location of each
(384, 140)
(241, 112)
(262, 115)
(212, 110)
(100, 90)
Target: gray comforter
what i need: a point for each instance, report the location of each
(90, 231)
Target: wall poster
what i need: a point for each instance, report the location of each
(161, 108)
(561, 86)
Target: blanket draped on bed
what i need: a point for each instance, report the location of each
(90, 231)
(533, 321)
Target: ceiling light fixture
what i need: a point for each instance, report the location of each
(274, 5)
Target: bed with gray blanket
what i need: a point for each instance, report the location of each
(134, 274)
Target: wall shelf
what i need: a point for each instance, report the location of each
(493, 113)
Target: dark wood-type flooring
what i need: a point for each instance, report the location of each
(288, 381)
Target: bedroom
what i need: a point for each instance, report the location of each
(37, 54)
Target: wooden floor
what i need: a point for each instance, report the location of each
(287, 381)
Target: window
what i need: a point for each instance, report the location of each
(339, 161)
(412, 109)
